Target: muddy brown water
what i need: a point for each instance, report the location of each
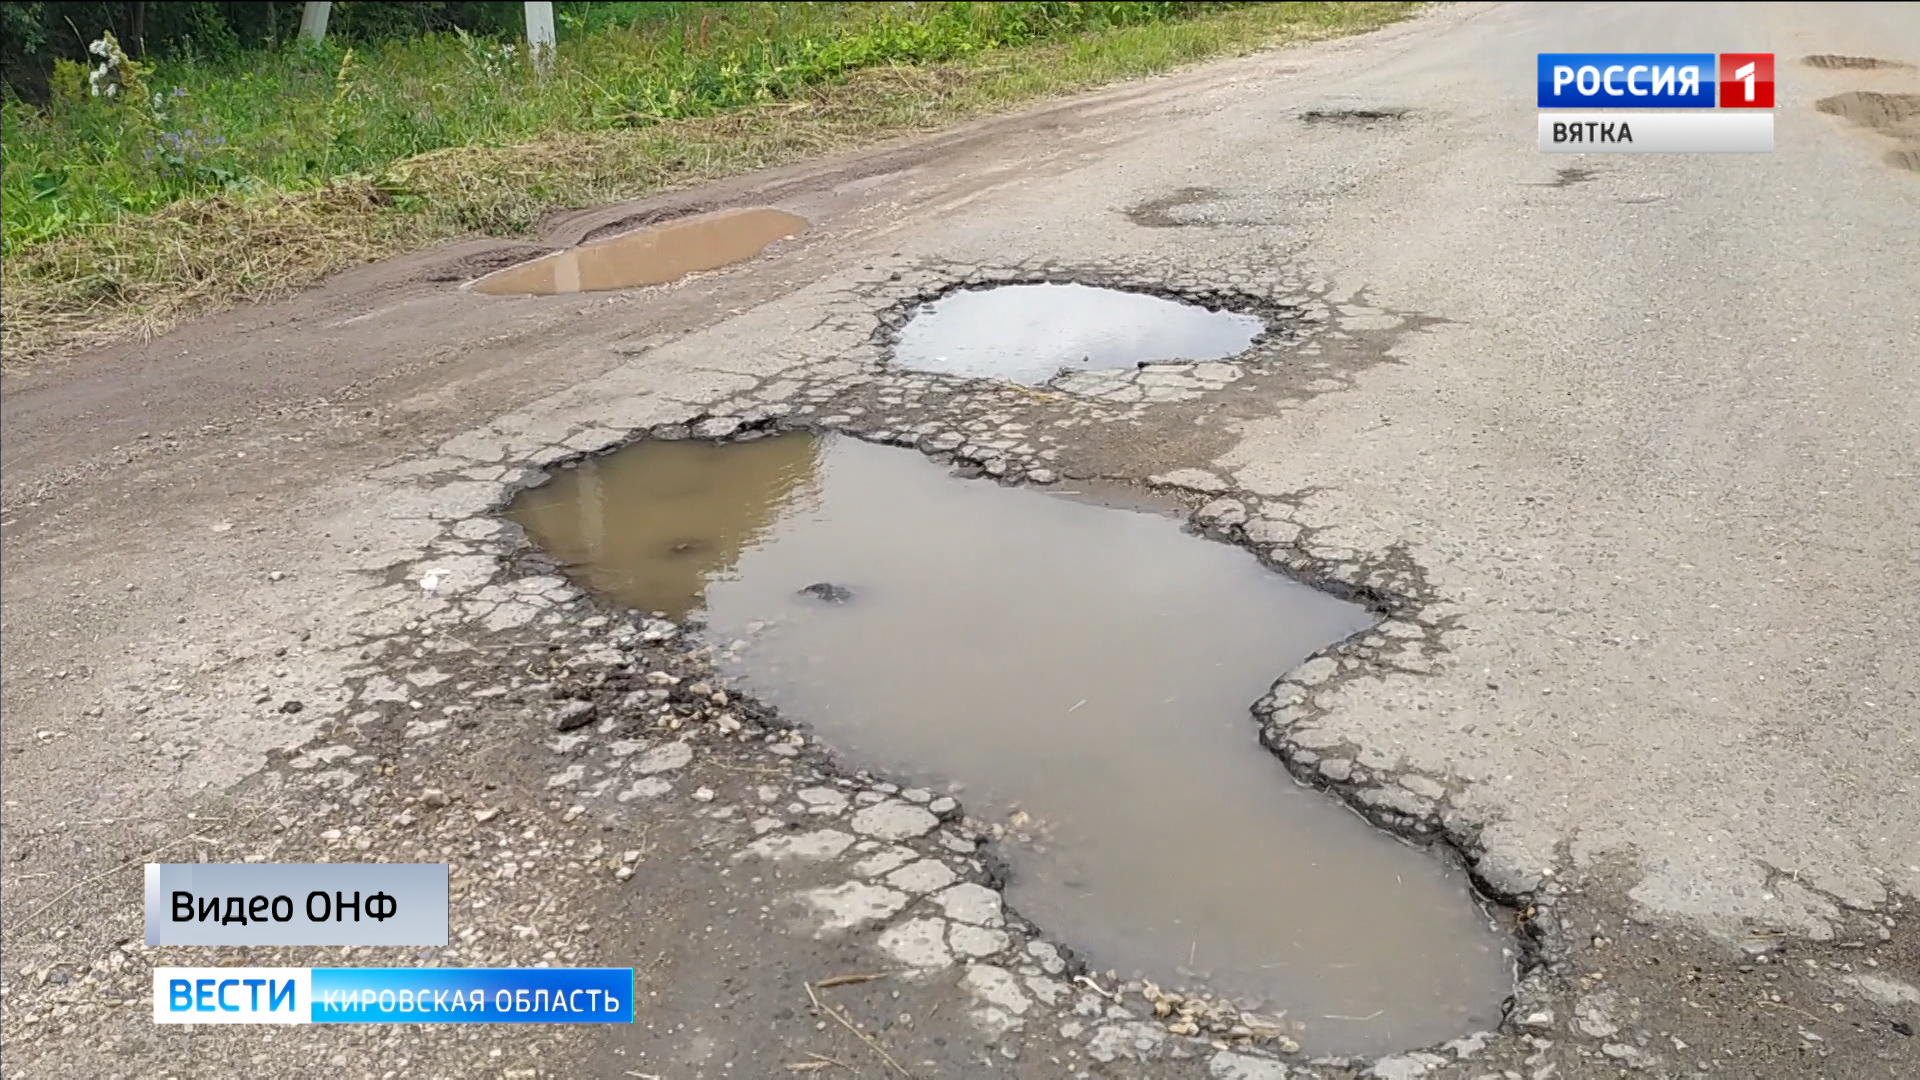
(650, 256)
(1031, 333)
(1084, 667)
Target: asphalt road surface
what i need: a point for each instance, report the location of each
(1632, 441)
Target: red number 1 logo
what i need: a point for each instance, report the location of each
(1746, 80)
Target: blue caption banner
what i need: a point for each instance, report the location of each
(473, 995)
(236, 995)
(1626, 80)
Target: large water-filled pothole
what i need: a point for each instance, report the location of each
(650, 256)
(1032, 333)
(1085, 673)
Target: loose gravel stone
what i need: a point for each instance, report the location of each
(918, 943)
(971, 903)
(1270, 531)
(1228, 1065)
(1196, 480)
(1047, 956)
(854, 903)
(884, 861)
(1405, 1066)
(925, 876)
(894, 821)
(1223, 513)
(1593, 1015)
(823, 800)
(718, 427)
(1131, 1039)
(1048, 992)
(975, 941)
(820, 844)
(573, 714)
(673, 755)
(647, 787)
(1883, 990)
(1424, 787)
(996, 987)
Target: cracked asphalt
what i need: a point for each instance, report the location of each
(1625, 458)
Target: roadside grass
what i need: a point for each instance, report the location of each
(299, 212)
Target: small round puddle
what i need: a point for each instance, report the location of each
(1032, 333)
(1090, 686)
(650, 256)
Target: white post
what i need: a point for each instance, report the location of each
(540, 34)
(313, 21)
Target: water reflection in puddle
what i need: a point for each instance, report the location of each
(649, 256)
(1088, 667)
(1031, 333)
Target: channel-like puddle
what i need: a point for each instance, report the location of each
(1085, 672)
(1032, 333)
(649, 256)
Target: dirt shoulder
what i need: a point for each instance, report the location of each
(142, 274)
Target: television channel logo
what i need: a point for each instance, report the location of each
(1655, 102)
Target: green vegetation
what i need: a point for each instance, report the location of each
(297, 118)
(139, 194)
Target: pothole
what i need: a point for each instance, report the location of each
(1563, 178)
(653, 255)
(1034, 333)
(1357, 117)
(1080, 673)
(1831, 62)
(1160, 212)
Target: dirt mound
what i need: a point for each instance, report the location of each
(1869, 108)
(1832, 62)
(1896, 116)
